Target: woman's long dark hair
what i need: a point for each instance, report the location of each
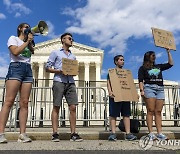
(21, 26)
(146, 61)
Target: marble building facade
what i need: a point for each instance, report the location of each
(90, 60)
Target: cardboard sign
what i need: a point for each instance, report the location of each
(122, 84)
(163, 38)
(70, 67)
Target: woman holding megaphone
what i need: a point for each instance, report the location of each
(19, 79)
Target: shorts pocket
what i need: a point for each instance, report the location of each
(16, 65)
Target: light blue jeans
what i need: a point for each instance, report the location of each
(154, 91)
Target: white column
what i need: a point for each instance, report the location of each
(98, 71)
(40, 92)
(86, 72)
(51, 75)
(33, 69)
(77, 76)
(41, 70)
(98, 76)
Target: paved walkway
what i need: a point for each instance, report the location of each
(87, 133)
(95, 138)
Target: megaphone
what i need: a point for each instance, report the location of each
(41, 28)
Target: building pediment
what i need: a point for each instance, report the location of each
(45, 48)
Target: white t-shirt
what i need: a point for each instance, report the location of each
(25, 56)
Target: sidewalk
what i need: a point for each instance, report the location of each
(88, 133)
(95, 142)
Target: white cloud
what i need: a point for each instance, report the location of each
(17, 8)
(51, 33)
(113, 22)
(17, 14)
(4, 70)
(136, 59)
(159, 55)
(2, 16)
(139, 59)
(177, 39)
(7, 2)
(68, 11)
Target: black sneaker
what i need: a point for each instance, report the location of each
(76, 137)
(55, 137)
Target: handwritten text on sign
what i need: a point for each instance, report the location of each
(69, 66)
(163, 38)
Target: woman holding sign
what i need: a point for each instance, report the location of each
(152, 90)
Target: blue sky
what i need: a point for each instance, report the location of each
(115, 26)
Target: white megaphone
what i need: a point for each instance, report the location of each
(41, 28)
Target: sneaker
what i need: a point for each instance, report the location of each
(152, 137)
(2, 138)
(24, 138)
(130, 137)
(55, 137)
(162, 137)
(112, 137)
(75, 137)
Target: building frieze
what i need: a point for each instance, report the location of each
(55, 44)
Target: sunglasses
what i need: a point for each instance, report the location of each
(26, 27)
(70, 39)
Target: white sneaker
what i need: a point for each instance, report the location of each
(24, 138)
(152, 137)
(2, 138)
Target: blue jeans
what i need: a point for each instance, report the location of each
(154, 91)
(20, 71)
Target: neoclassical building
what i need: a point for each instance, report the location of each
(90, 60)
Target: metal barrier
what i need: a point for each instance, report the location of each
(92, 109)
(89, 111)
(170, 111)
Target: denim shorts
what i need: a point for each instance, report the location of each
(154, 91)
(20, 71)
(115, 108)
(64, 89)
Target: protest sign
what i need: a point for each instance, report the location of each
(163, 38)
(122, 84)
(70, 67)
